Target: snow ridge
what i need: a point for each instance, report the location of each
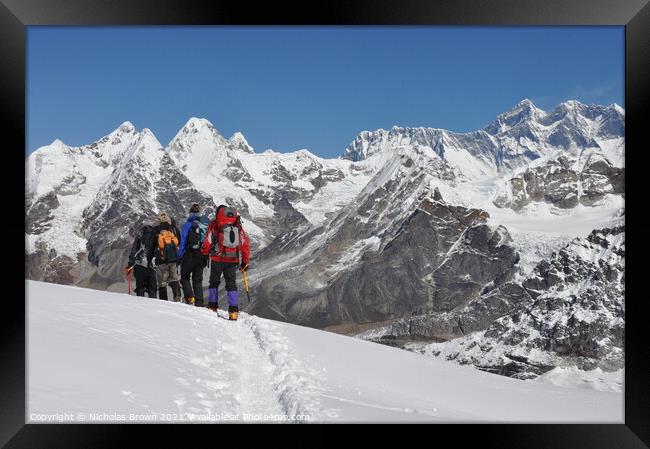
(514, 139)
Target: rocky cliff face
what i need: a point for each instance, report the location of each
(568, 312)
(564, 182)
(400, 250)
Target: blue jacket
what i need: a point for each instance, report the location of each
(185, 230)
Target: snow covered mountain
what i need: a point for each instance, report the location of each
(395, 251)
(400, 250)
(84, 204)
(274, 191)
(168, 362)
(514, 139)
(409, 225)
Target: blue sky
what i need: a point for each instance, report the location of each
(307, 87)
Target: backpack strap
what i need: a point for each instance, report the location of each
(215, 239)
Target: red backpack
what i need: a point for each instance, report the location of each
(227, 241)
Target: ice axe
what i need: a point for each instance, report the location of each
(128, 277)
(245, 279)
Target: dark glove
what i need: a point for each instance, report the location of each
(243, 266)
(179, 261)
(205, 261)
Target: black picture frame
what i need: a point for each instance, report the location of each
(16, 15)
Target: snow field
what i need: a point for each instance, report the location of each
(107, 357)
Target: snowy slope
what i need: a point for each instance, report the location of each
(595, 379)
(97, 356)
(73, 176)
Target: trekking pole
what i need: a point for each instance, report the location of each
(128, 278)
(245, 279)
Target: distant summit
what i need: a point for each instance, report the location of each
(520, 134)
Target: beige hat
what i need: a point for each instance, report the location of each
(163, 218)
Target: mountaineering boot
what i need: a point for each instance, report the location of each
(212, 300)
(162, 293)
(233, 307)
(190, 300)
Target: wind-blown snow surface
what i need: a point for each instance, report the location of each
(109, 357)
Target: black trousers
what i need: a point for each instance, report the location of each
(192, 266)
(145, 281)
(229, 270)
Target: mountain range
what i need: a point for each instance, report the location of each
(412, 237)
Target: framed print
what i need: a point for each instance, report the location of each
(350, 213)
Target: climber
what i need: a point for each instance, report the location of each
(226, 243)
(166, 250)
(192, 261)
(142, 263)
